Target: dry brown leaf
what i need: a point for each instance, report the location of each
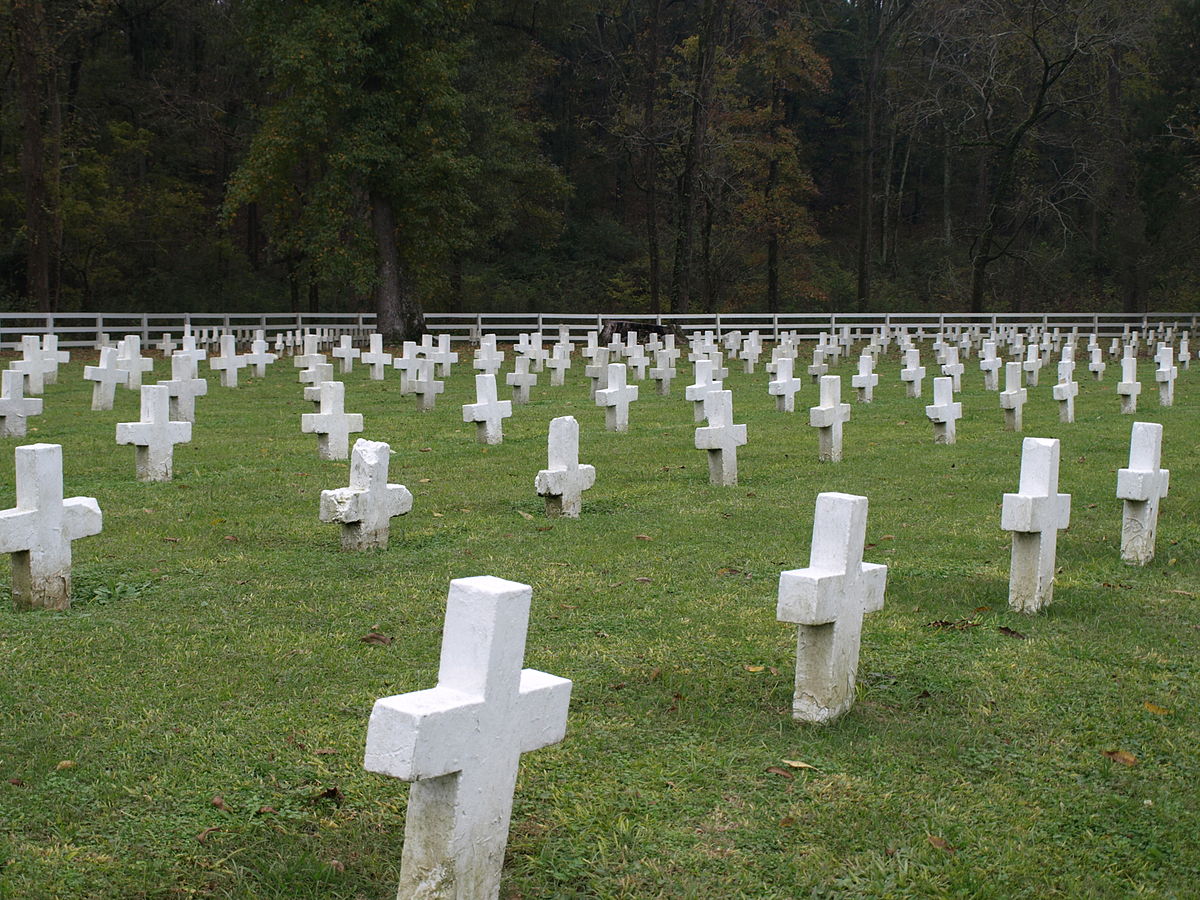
(438, 515)
(332, 793)
(375, 637)
(267, 810)
(644, 580)
(424, 449)
(775, 770)
(422, 481)
(1004, 629)
(797, 764)
(787, 822)
(983, 609)
(1156, 709)
(337, 865)
(1124, 757)
(202, 836)
(219, 802)
(65, 764)
(941, 843)
(171, 540)
(643, 537)
(524, 515)
(753, 668)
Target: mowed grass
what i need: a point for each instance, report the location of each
(194, 725)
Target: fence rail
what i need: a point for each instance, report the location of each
(88, 329)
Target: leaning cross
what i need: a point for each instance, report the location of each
(155, 435)
(332, 425)
(563, 483)
(828, 601)
(460, 743)
(487, 412)
(39, 530)
(1034, 515)
(366, 508)
(1142, 486)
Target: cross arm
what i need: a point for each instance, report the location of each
(342, 505)
(541, 711)
(423, 734)
(15, 525)
(81, 517)
(809, 596)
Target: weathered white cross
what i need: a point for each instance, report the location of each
(944, 412)
(616, 398)
(488, 359)
(1034, 515)
(347, 353)
(565, 480)
(425, 386)
(53, 357)
(1013, 397)
(1142, 485)
(365, 508)
(487, 412)
(828, 601)
(663, 372)
(990, 364)
(1066, 390)
(15, 407)
(107, 376)
(460, 743)
(953, 367)
(228, 363)
(1165, 373)
(1032, 365)
(32, 365)
(1129, 387)
(827, 417)
(376, 358)
(154, 436)
(866, 379)
(721, 438)
(785, 385)
(913, 373)
(558, 363)
(1097, 365)
(520, 379)
(703, 386)
(259, 358)
(332, 425)
(129, 358)
(183, 388)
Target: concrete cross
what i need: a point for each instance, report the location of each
(638, 360)
(15, 407)
(866, 379)
(1097, 365)
(425, 386)
(154, 436)
(366, 508)
(913, 373)
(32, 364)
(183, 388)
(1165, 373)
(597, 372)
(828, 601)
(952, 367)
(1129, 387)
(1034, 515)
(166, 346)
(721, 438)
(314, 377)
(944, 412)
(704, 385)
(565, 480)
(558, 363)
(819, 367)
(309, 359)
(39, 530)
(129, 357)
(1013, 397)
(533, 349)
(1142, 485)
(188, 347)
(990, 364)
(228, 363)
(1065, 392)
(616, 398)
(521, 379)
(488, 359)
(785, 386)
(53, 358)
(107, 376)
(827, 417)
(259, 358)
(1032, 365)
(346, 353)
(460, 743)
(487, 412)
(332, 425)
(1185, 353)
(719, 372)
(663, 372)
(444, 356)
(376, 358)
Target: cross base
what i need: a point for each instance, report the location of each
(355, 536)
(46, 590)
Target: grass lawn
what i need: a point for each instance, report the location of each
(194, 725)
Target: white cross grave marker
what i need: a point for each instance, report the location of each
(32, 364)
(785, 385)
(154, 436)
(616, 398)
(1066, 390)
(1129, 387)
(944, 412)
(228, 363)
(703, 386)
(520, 379)
(488, 359)
(558, 363)
(15, 407)
(39, 530)
(1165, 374)
(828, 417)
(259, 358)
(819, 367)
(1032, 365)
(376, 358)
(487, 412)
(346, 353)
(129, 357)
(1034, 515)
(913, 373)
(366, 508)
(565, 480)
(460, 743)
(1142, 486)
(866, 379)
(990, 364)
(663, 372)
(721, 438)
(828, 601)
(952, 367)
(1097, 365)
(107, 376)
(53, 358)
(332, 425)
(309, 359)
(1013, 397)
(425, 386)
(183, 388)
(319, 373)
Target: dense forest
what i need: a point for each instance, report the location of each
(617, 155)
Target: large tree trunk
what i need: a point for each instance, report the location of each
(398, 315)
(650, 160)
(872, 63)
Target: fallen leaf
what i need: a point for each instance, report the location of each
(65, 764)
(644, 580)
(753, 668)
(1156, 709)
(337, 865)
(424, 449)
(797, 764)
(16, 782)
(727, 570)
(773, 670)
(202, 836)
(888, 537)
(332, 793)
(775, 770)
(983, 609)
(568, 606)
(438, 515)
(1124, 757)
(171, 540)
(643, 537)
(375, 637)
(941, 843)
(230, 537)
(1091, 506)
(266, 810)
(544, 528)
(655, 673)
(524, 515)
(787, 822)
(1004, 629)
(219, 802)
(423, 481)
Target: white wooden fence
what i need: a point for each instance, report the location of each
(85, 329)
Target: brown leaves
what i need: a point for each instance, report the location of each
(524, 515)
(797, 764)
(219, 802)
(642, 537)
(203, 836)
(374, 637)
(1005, 630)
(1156, 709)
(1124, 757)
(960, 625)
(65, 764)
(776, 770)
(942, 844)
(331, 793)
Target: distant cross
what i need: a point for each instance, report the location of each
(663, 372)
(703, 386)
(1032, 365)
(558, 363)
(346, 353)
(534, 349)
(166, 346)
(1165, 374)
(827, 417)
(154, 436)
(952, 367)
(866, 379)
(309, 358)
(1185, 353)
(521, 379)
(366, 508)
(332, 425)
(39, 530)
(721, 438)
(32, 364)
(314, 377)
(15, 407)
(53, 358)
(1013, 397)
(1034, 515)
(129, 357)
(913, 373)
(1066, 390)
(487, 412)
(425, 386)
(828, 600)
(597, 372)
(785, 385)
(719, 372)
(616, 398)
(488, 359)
(638, 360)
(1142, 486)
(989, 364)
(461, 742)
(1097, 365)
(107, 376)
(259, 358)
(376, 358)
(228, 363)
(565, 480)
(188, 346)
(444, 356)
(1129, 387)
(944, 412)
(183, 388)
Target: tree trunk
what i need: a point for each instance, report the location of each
(398, 316)
(650, 160)
(41, 203)
(947, 172)
(872, 62)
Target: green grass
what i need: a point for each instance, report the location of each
(213, 650)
